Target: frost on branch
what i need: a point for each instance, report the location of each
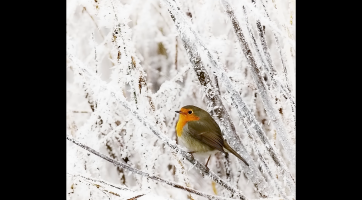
(154, 129)
(276, 158)
(128, 60)
(212, 96)
(271, 111)
(136, 171)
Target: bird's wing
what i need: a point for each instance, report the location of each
(207, 133)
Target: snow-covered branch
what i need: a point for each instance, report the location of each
(139, 172)
(190, 40)
(269, 108)
(281, 57)
(174, 147)
(276, 158)
(130, 66)
(141, 90)
(99, 181)
(153, 128)
(272, 73)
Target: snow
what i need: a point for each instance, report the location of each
(130, 65)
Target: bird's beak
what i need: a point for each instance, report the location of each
(177, 111)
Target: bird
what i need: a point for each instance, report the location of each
(199, 132)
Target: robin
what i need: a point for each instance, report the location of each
(199, 132)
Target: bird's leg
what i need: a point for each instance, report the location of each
(207, 163)
(191, 152)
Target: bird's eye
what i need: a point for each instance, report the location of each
(190, 111)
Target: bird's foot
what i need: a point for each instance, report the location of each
(207, 168)
(191, 152)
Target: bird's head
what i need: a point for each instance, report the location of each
(190, 113)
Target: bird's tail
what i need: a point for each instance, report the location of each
(226, 145)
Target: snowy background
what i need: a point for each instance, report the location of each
(132, 63)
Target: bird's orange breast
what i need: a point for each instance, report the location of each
(179, 127)
(184, 117)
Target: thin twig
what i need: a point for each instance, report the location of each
(75, 111)
(143, 90)
(285, 89)
(176, 53)
(151, 126)
(144, 174)
(100, 32)
(100, 181)
(269, 108)
(276, 157)
(190, 39)
(136, 197)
